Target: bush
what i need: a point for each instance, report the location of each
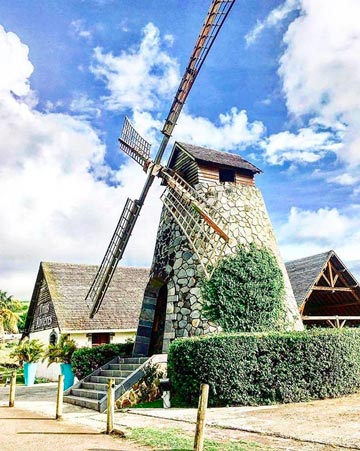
(246, 292)
(62, 351)
(255, 369)
(28, 351)
(86, 360)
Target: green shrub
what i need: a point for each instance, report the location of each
(253, 369)
(86, 360)
(246, 292)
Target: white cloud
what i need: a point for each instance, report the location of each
(79, 28)
(84, 106)
(15, 68)
(320, 68)
(305, 146)
(53, 205)
(308, 232)
(233, 132)
(140, 78)
(276, 16)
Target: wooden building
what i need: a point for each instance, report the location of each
(58, 306)
(202, 165)
(325, 290)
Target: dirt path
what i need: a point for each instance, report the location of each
(331, 424)
(28, 431)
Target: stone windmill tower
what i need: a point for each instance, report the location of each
(172, 305)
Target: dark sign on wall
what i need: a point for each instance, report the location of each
(44, 317)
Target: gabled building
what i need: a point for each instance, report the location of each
(58, 306)
(325, 290)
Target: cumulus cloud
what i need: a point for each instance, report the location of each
(305, 146)
(16, 67)
(307, 232)
(233, 131)
(320, 68)
(55, 204)
(140, 78)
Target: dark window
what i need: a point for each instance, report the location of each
(53, 338)
(226, 175)
(100, 339)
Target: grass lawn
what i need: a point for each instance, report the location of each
(177, 440)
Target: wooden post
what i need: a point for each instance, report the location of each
(200, 422)
(60, 397)
(110, 406)
(12, 389)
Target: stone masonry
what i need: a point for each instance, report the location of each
(176, 265)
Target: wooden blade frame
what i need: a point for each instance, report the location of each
(134, 145)
(218, 11)
(205, 228)
(112, 256)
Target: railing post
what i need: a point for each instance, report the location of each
(110, 406)
(60, 397)
(12, 389)
(200, 422)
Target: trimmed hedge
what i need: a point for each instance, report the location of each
(86, 360)
(266, 368)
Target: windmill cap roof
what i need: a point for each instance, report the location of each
(217, 157)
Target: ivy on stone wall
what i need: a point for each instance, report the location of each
(246, 292)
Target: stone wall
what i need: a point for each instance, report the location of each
(176, 264)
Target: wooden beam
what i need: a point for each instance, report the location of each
(330, 317)
(331, 274)
(348, 304)
(333, 289)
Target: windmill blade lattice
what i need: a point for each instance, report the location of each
(113, 254)
(134, 145)
(205, 228)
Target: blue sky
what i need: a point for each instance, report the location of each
(279, 87)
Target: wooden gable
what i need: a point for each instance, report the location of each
(41, 315)
(327, 294)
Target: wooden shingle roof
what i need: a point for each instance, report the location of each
(68, 285)
(304, 273)
(205, 155)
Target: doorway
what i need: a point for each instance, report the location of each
(158, 328)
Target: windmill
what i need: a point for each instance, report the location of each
(204, 227)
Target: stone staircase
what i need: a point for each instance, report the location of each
(91, 392)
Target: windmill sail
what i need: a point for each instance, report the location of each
(204, 227)
(135, 146)
(113, 254)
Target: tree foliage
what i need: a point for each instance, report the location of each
(246, 292)
(62, 351)
(8, 313)
(28, 351)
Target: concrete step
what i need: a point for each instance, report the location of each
(124, 366)
(91, 394)
(116, 373)
(93, 386)
(89, 403)
(104, 379)
(136, 360)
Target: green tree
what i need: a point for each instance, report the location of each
(8, 314)
(246, 292)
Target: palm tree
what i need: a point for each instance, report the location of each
(8, 314)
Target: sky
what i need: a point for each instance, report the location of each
(280, 87)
